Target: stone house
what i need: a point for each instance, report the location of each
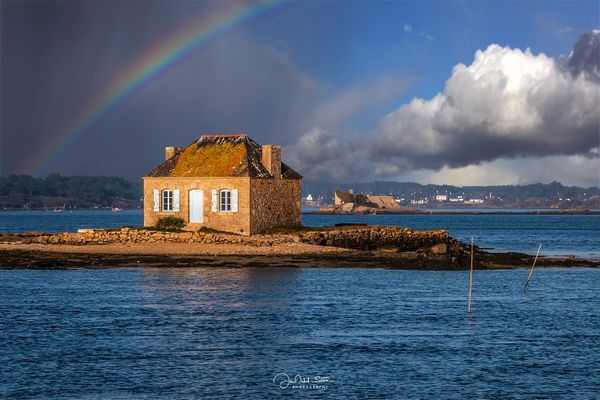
(383, 202)
(224, 182)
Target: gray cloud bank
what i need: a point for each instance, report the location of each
(506, 104)
(53, 63)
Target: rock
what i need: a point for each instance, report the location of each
(185, 235)
(441, 248)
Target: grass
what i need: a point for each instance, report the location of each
(205, 229)
(161, 229)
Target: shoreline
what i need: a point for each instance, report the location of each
(437, 210)
(297, 255)
(441, 211)
(333, 247)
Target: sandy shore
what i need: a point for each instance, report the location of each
(178, 249)
(59, 256)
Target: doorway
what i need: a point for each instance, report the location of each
(196, 206)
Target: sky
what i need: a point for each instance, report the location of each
(464, 93)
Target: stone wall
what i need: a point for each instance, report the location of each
(374, 238)
(131, 235)
(388, 238)
(274, 202)
(237, 222)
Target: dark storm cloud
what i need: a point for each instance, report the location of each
(56, 55)
(507, 103)
(321, 155)
(585, 57)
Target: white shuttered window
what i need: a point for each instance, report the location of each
(234, 200)
(156, 200)
(214, 201)
(176, 200)
(167, 200)
(225, 200)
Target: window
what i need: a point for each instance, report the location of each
(167, 200)
(225, 200)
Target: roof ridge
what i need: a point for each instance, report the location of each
(217, 135)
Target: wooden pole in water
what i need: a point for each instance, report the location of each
(470, 278)
(532, 267)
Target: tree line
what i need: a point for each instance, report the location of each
(24, 191)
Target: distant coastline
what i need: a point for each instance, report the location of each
(478, 211)
(23, 192)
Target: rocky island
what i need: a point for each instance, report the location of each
(338, 246)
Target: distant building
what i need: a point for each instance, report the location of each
(419, 202)
(309, 197)
(441, 197)
(383, 202)
(457, 199)
(337, 200)
(225, 182)
(474, 201)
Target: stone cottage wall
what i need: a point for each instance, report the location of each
(274, 202)
(237, 222)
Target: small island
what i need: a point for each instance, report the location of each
(336, 246)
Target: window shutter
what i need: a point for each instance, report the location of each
(176, 200)
(234, 200)
(214, 203)
(156, 200)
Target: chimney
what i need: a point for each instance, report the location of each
(271, 159)
(170, 151)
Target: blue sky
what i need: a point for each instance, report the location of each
(345, 42)
(337, 77)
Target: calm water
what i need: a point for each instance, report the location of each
(559, 234)
(226, 333)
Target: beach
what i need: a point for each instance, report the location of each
(294, 253)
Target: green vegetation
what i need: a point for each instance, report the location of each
(358, 199)
(518, 196)
(346, 197)
(170, 222)
(205, 229)
(19, 192)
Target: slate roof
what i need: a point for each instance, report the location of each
(220, 156)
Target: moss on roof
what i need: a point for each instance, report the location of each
(218, 156)
(212, 160)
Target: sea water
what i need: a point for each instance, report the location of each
(257, 333)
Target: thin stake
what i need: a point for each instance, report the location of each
(532, 267)
(470, 278)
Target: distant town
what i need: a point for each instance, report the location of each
(55, 192)
(413, 195)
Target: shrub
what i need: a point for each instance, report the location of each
(205, 229)
(170, 222)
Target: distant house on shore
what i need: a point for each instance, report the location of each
(224, 182)
(383, 202)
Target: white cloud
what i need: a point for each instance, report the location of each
(510, 117)
(508, 103)
(573, 170)
(407, 28)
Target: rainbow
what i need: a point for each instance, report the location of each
(151, 66)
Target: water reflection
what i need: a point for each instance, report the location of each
(225, 333)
